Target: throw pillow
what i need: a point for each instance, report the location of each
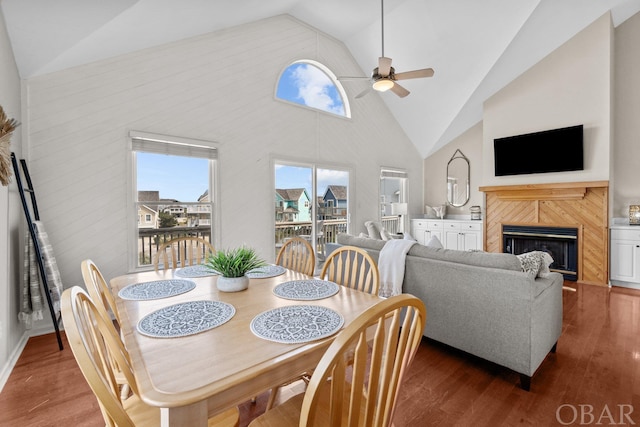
(408, 236)
(535, 263)
(434, 242)
(372, 228)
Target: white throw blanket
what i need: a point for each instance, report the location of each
(391, 266)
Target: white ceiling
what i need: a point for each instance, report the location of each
(476, 47)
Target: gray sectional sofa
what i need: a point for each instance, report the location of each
(482, 303)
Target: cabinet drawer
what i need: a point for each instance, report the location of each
(475, 226)
(418, 224)
(625, 234)
(434, 225)
(452, 226)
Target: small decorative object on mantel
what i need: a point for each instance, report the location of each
(7, 126)
(634, 214)
(233, 264)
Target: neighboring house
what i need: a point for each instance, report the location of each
(292, 205)
(200, 214)
(147, 217)
(334, 202)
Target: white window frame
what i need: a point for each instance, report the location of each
(314, 166)
(387, 172)
(172, 145)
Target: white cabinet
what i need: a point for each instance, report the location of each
(625, 254)
(423, 229)
(463, 235)
(454, 234)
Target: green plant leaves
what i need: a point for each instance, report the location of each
(234, 262)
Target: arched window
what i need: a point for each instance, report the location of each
(311, 84)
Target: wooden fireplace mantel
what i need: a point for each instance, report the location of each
(581, 204)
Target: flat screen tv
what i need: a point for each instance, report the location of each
(556, 150)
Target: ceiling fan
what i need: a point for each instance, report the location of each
(384, 76)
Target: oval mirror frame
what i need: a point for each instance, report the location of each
(458, 172)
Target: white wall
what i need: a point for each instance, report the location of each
(217, 87)
(576, 83)
(11, 332)
(626, 149)
(571, 86)
(435, 171)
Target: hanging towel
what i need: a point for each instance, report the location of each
(391, 266)
(32, 298)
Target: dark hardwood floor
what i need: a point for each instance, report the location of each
(594, 377)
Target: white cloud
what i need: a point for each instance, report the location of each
(313, 88)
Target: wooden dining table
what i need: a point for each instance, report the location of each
(193, 377)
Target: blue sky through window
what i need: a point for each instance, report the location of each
(306, 84)
(175, 177)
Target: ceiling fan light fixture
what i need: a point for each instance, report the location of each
(383, 85)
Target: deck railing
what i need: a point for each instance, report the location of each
(149, 239)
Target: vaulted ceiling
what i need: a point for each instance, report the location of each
(476, 47)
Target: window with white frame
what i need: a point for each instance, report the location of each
(393, 199)
(310, 83)
(172, 190)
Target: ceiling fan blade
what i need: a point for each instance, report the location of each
(364, 92)
(384, 66)
(415, 74)
(399, 90)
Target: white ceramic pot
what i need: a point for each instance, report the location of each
(232, 284)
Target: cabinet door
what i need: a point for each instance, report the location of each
(470, 240)
(418, 230)
(624, 260)
(451, 239)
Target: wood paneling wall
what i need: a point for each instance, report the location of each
(583, 205)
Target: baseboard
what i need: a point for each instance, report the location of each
(13, 359)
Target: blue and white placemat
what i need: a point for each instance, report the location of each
(156, 289)
(306, 290)
(195, 271)
(266, 271)
(186, 318)
(297, 324)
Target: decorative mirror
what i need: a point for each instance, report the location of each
(458, 171)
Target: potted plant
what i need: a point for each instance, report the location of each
(232, 264)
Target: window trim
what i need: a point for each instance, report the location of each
(332, 77)
(172, 145)
(314, 166)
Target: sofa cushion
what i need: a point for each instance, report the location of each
(481, 259)
(363, 242)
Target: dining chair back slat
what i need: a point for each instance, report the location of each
(352, 267)
(297, 254)
(182, 252)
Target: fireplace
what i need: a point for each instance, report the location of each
(559, 242)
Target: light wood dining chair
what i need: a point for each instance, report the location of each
(348, 266)
(99, 290)
(100, 293)
(182, 252)
(356, 382)
(352, 267)
(297, 254)
(91, 337)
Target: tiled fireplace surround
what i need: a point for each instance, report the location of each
(583, 205)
